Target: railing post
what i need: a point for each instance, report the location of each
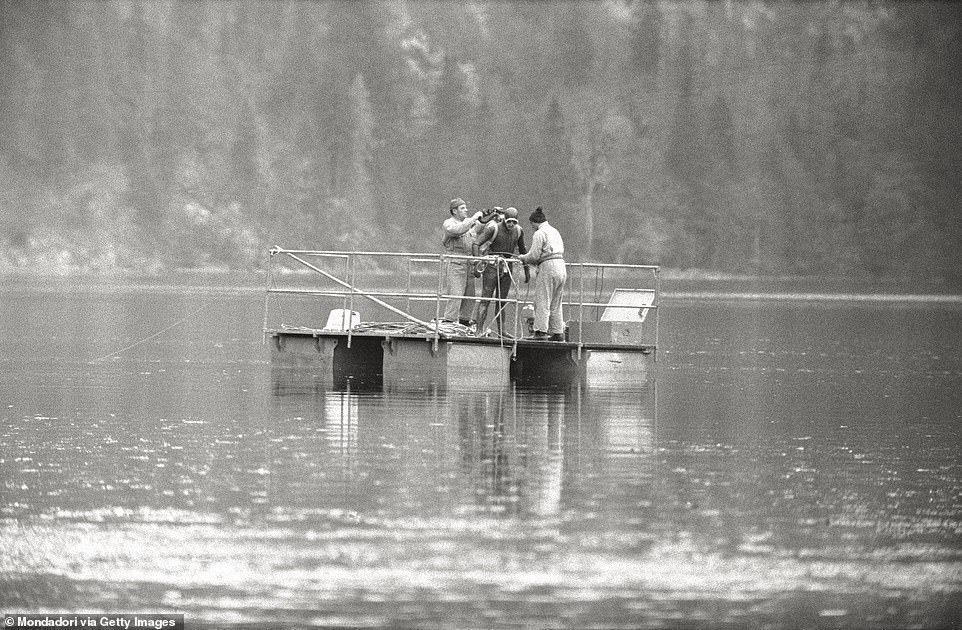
(437, 302)
(267, 293)
(408, 290)
(581, 310)
(345, 303)
(517, 313)
(657, 308)
(601, 288)
(351, 266)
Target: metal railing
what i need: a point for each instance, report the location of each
(589, 278)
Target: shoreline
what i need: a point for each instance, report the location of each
(676, 286)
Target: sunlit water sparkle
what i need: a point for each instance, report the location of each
(789, 464)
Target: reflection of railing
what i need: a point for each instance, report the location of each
(589, 280)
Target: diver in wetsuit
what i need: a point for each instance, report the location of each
(496, 238)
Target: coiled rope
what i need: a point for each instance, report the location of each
(447, 329)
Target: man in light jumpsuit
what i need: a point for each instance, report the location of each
(458, 238)
(547, 254)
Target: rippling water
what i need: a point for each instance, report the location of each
(792, 463)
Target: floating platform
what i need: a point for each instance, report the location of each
(619, 348)
(420, 361)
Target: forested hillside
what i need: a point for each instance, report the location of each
(749, 137)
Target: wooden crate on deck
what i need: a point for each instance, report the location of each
(622, 322)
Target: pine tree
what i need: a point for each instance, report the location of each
(362, 149)
(556, 173)
(644, 46)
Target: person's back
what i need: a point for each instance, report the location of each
(551, 244)
(547, 254)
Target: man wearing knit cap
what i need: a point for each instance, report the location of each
(457, 240)
(547, 254)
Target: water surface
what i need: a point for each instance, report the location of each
(791, 463)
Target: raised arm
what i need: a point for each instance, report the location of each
(453, 227)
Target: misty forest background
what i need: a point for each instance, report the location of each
(742, 137)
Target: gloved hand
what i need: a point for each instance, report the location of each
(488, 214)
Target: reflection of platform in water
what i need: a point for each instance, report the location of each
(512, 452)
(608, 342)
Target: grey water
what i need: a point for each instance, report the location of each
(789, 463)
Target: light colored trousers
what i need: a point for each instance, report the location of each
(458, 280)
(548, 293)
